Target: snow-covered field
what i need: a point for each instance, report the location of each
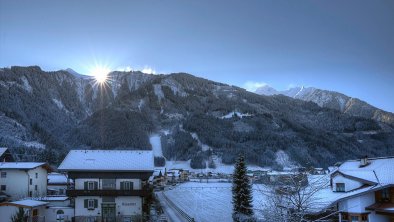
(207, 202)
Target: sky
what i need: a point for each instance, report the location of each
(344, 46)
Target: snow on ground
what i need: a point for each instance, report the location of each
(207, 202)
(231, 114)
(204, 147)
(158, 91)
(155, 142)
(220, 167)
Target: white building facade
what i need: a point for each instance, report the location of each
(23, 179)
(109, 185)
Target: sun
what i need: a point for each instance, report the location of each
(100, 73)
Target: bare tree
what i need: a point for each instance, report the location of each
(294, 197)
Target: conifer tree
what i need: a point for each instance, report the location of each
(242, 193)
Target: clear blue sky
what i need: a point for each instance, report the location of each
(346, 46)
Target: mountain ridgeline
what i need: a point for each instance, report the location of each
(44, 114)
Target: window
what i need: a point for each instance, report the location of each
(364, 218)
(35, 187)
(109, 184)
(344, 217)
(90, 185)
(36, 175)
(126, 185)
(90, 204)
(3, 174)
(60, 215)
(354, 218)
(30, 193)
(3, 187)
(340, 187)
(31, 181)
(385, 195)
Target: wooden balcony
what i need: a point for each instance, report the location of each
(142, 193)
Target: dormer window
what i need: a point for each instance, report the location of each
(340, 187)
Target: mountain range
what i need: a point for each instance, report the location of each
(332, 100)
(44, 114)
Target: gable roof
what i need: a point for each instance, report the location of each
(379, 170)
(108, 160)
(21, 165)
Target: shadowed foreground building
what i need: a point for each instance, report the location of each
(109, 185)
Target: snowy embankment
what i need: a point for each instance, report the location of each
(207, 202)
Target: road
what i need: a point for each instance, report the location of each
(171, 213)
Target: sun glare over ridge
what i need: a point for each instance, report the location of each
(100, 73)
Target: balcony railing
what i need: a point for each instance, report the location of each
(142, 193)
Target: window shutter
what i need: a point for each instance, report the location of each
(85, 185)
(95, 203)
(85, 203)
(96, 185)
(122, 185)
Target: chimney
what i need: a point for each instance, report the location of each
(364, 161)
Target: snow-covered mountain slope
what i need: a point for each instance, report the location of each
(332, 100)
(201, 118)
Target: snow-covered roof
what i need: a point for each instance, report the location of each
(27, 203)
(57, 178)
(108, 160)
(51, 198)
(2, 150)
(378, 170)
(21, 165)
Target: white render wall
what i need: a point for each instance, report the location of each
(129, 205)
(51, 212)
(349, 184)
(357, 204)
(18, 184)
(81, 211)
(125, 205)
(41, 181)
(79, 183)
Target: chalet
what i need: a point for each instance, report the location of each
(109, 185)
(23, 179)
(5, 155)
(364, 190)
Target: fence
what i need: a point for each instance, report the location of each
(175, 207)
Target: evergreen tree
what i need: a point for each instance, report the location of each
(242, 193)
(19, 216)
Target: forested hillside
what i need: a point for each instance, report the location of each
(43, 114)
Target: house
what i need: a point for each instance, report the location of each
(109, 185)
(5, 155)
(23, 179)
(34, 210)
(160, 177)
(364, 190)
(58, 183)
